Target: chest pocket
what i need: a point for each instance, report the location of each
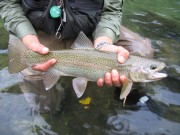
(82, 15)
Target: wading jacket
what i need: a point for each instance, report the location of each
(16, 22)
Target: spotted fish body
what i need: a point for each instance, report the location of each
(89, 63)
(86, 64)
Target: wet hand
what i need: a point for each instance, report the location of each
(32, 43)
(113, 78)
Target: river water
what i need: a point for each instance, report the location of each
(158, 20)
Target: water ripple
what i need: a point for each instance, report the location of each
(118, 125)
(4, 51)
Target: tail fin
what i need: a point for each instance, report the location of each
(15, 51)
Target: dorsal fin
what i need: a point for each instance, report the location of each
(82, 41)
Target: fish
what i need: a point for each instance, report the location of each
(85, 63)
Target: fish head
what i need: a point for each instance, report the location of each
(148, 72)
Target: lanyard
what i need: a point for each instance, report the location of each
(56, 12)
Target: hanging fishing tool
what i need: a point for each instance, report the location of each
(56, 12)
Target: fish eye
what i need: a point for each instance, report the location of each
(153, 67)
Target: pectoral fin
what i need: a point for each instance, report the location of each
(79, 85)
(50, 78)
(127, 85)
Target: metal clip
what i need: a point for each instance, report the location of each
(58, 33)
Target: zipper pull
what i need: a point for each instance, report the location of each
(64, 15)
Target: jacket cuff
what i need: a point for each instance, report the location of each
(105, 32)
(24, 28)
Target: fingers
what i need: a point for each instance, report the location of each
(108, 79)
(32, 42)
(39, 48)
(100, 82)
(122, 54)
(45, 66)
(123, 79)
(115, 78)
(112, 79)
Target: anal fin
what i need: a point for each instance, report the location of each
(79, 85)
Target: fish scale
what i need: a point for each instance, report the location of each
(81, 62)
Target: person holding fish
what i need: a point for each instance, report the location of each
(43, 26)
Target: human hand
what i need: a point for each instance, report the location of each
(32, 43)
(113, 78)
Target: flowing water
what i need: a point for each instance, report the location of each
(158, 20)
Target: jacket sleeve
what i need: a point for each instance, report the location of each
(110, 20)
(14, 19)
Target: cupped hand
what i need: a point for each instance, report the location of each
(32, 43)
(113, 78)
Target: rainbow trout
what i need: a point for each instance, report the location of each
(85, 63)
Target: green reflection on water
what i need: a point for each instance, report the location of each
(3, 36)
(3, 61)
(3, 45)
(153, 19)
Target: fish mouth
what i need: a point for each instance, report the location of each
(158, 76)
